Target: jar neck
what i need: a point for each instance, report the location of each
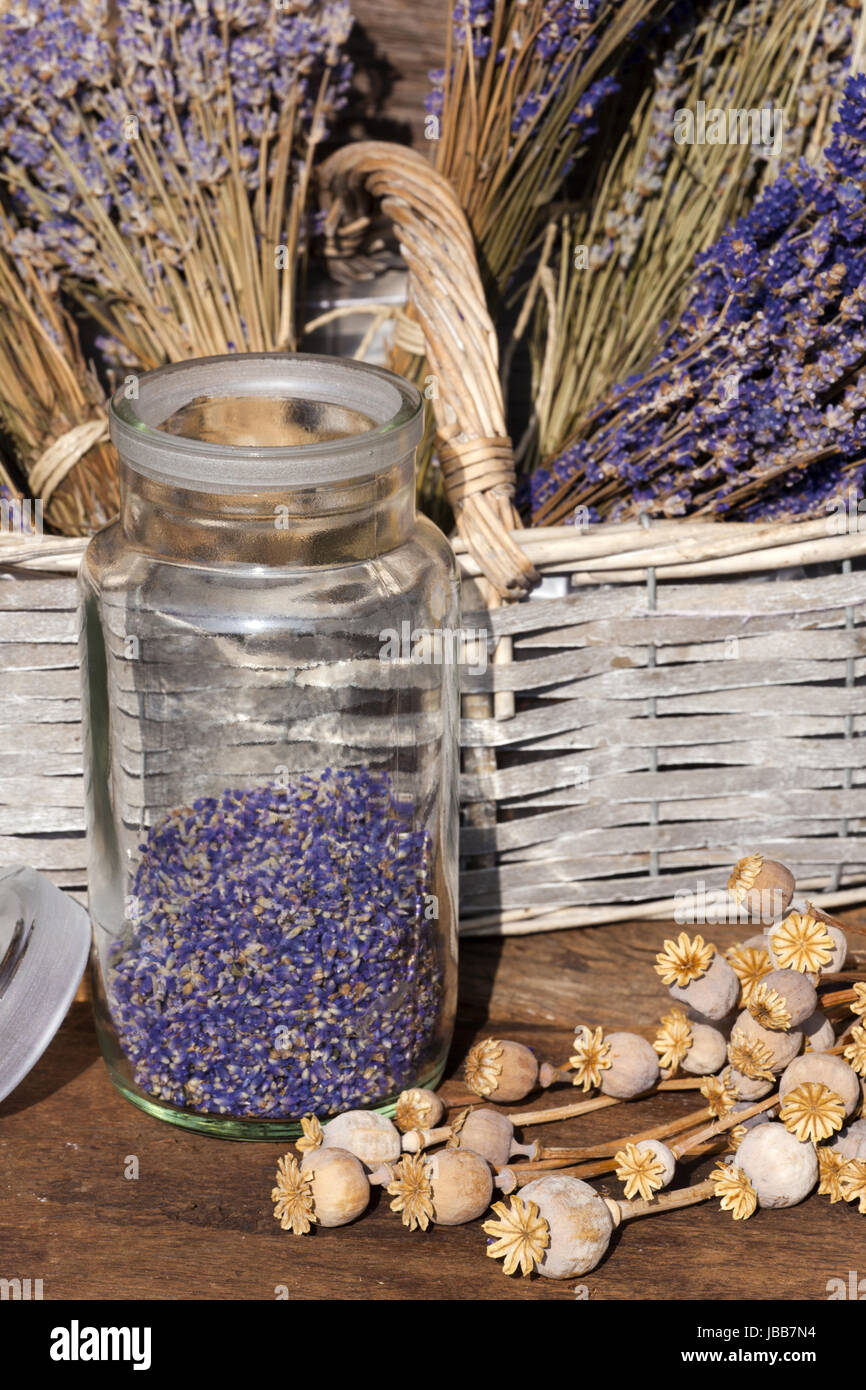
(335, 524)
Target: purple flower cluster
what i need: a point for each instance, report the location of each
(471, 23)
(281, 960)
(756, 405)
(563, 37)
(181, 84)
(847, 150)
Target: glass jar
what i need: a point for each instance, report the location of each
(271, 720)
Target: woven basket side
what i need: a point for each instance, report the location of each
(42, 781)
(664, 728)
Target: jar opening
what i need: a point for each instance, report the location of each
(263, 421)
(256, 421)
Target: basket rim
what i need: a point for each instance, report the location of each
(604, 552)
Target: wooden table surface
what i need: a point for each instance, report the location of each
(197, 1223)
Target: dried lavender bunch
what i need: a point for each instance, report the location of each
(280, 960)
(756, 405)
(162, 151)
(50, 398)
(625, 252)
(517, 100)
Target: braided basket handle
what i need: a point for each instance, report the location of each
(447, 301)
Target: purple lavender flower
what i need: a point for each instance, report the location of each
(753, 406)
(280, 960)
(563, 37)
(847, 150)
(80, 111)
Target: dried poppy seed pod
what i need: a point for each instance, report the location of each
(485, 1131)
(781, 1169)
(500, 1070)
(461, 1185)
(579, 1222)
(714, 994)
(340, 1187)
(838, 952)
(783, 999)
(448, 1187)
(491, 1134)
(775, 1049)
(708, 1050)
(840, 948)
(749, 1088)
(664, 1156)
(837, 932)
(418, 1109)
(661, 1173)
(633, 1069)
(850, 1142)
(827, 1070)
(818, 1032)
(721, 1025)
(370, 1137)
(762, 887)
(805, 943)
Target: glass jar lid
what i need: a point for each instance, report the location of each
(44, 944)
(260, 421)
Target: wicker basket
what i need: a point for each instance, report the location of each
(691, 694)
(668, 699)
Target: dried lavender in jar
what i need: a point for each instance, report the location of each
(282, 960)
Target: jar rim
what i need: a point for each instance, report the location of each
(394, 404)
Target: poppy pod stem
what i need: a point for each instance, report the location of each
(719, 1127)
(583, 1107)
(562, 1112)
(510, 1179)
(842, 996)
(548, 1075)
(666, 1130)
(610, 1146)
(699, 1142)
(668, 1201)
(417, 1139)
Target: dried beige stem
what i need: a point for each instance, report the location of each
(668, 1201)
